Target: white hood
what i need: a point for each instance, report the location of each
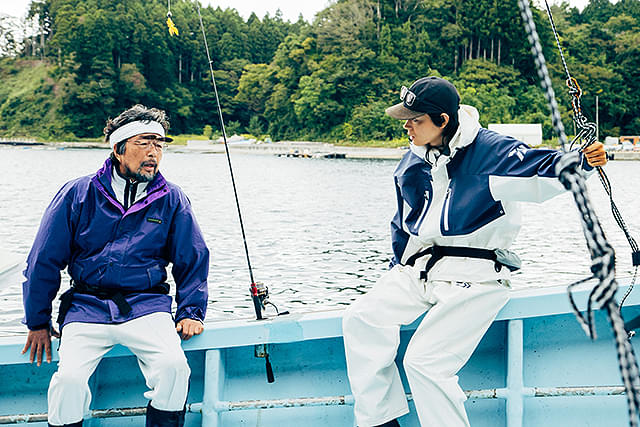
(469, 125)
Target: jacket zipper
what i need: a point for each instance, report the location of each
(447, 200)
(422, 214)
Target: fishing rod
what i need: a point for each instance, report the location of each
(601, 252)
(256, 296)
(259, 291)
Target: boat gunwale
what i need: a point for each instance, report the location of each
(297, 327)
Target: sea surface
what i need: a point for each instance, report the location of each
(317, 230)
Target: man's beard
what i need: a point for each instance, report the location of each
(139, 175)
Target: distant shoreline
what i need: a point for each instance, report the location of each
(282, 149)
(304, 149)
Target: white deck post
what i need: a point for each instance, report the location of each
(213, 382)
(515, 380)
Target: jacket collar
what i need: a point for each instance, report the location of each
(468, 117)
(104, 174)
(102, 179)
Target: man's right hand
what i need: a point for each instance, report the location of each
(39, 341)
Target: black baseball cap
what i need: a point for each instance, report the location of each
(426, 95)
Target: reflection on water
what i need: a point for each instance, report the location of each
(317, 229)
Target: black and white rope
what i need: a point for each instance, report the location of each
(586, 130)
(541, 67)
(587, 133)
(555, 33)
(601, 252)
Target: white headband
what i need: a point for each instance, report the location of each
(133, 129)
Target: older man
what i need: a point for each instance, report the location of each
(116, 231)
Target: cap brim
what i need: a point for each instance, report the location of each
(400, 112)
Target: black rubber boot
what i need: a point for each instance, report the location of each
(78, 424)
(392, 423)
(158, 418)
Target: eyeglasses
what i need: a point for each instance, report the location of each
(407, 96)
(146, 141)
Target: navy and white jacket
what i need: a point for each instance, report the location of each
(468, 198)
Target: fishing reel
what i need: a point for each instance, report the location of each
(260, 297)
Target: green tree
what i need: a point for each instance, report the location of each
(319, 79)
(255, 127)
(255, 87)
(369, 122)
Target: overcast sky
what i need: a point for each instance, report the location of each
(290, 8)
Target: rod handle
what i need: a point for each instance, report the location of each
(270, 377)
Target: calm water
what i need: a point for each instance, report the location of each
(317, 229)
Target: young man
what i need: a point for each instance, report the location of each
(458, 192)
(116, 232)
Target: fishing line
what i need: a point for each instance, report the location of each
(259, 291)
(601, 253)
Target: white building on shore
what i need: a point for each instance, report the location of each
(531, 134)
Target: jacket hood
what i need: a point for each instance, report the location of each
(469, 125)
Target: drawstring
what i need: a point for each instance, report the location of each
(134, 190)
(130, 190)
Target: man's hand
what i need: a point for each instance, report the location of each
(595, 154)
(39, 341)
(188, 328)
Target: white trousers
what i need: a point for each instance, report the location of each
(458, 315)
(152, 338)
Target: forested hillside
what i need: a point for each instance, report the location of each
(326, 80)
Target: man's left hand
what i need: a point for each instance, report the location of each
(595, 154)
(188, 328)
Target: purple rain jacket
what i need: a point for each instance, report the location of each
(87, 230)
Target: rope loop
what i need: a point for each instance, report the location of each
(601, 252)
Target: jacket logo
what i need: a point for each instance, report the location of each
(465, 285)
(154, 220)
(519, 151)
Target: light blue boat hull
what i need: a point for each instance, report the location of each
(534, 367)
